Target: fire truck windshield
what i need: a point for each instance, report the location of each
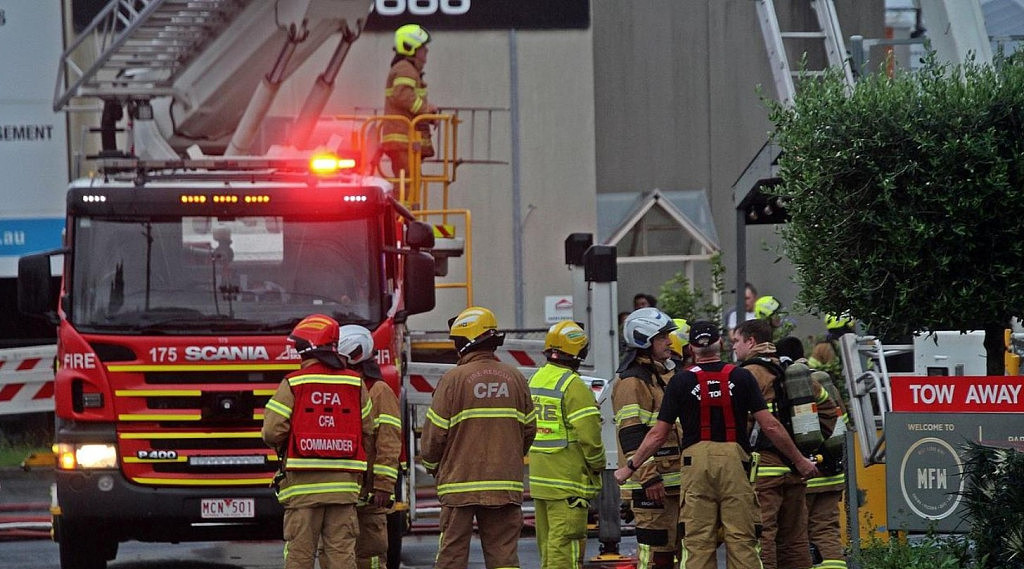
(237, 275)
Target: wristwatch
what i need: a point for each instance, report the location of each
(630, 465)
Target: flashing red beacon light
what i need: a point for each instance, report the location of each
(329, 163)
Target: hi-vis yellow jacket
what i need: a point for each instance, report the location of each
(567, 455)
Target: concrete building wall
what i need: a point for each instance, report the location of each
(550, 76)
(655, 94)
(678, 100)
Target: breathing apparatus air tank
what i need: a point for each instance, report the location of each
(832, 448)
(803, 408)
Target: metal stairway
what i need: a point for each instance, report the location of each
(137, 48)
(826, 35)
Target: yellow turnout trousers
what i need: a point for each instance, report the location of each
(561, 532)
(716, 493)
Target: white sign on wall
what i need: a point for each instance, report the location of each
(33, 138)
(557, 308)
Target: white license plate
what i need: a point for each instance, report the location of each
(223, 508)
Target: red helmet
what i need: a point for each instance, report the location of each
(316, 336)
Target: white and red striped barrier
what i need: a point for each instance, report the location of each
(527, 355)
(26, 380)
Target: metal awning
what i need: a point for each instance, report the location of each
(657, 226)
(756, 205)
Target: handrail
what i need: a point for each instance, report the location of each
(467, 283)
(417, 182)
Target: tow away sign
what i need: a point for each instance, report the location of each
(957, 394)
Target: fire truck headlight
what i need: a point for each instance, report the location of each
(71, 457)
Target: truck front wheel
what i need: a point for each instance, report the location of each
(82, 549)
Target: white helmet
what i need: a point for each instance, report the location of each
(355, 343)
(645, 323)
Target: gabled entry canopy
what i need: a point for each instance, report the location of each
(657, 226)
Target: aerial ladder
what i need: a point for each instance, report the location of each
(180, 69)
(193, 82)
(799, 54)
(802, 40)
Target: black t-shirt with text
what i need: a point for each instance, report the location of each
(682, 402)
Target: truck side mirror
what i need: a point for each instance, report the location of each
(419, 235)
(35, 287)
(419, 282)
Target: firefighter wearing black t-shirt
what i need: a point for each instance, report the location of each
(716, 493)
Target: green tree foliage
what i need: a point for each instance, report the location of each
(679, 299)
(993, 500)
(906, 197)
(931, 552)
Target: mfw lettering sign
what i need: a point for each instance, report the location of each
(957, 394)
(924, 467)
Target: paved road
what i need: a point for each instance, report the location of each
(17, 487)
(418, 552)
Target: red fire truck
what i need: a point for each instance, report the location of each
(201, 236)
(181, 282)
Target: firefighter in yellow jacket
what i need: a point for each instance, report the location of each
(355, 346)
(567, 456)
(319, 421)
(636, 399)
(406, 95)
(480, 425)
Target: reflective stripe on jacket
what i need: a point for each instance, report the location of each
(636, 400)
(567, 455)
(326, 429)
(405, 95)
(547, 387)
(382, 456)
(306, 487)
(772, 462)
(480, 425)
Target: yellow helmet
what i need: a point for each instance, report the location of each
(472, 327)
(567, 337)
(680, 337)
(833, 322)
(766, 307)
(410, 38)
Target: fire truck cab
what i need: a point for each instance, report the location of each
(182, 280)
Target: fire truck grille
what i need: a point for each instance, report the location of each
(197, 427)
(206, 377)
(155, 458)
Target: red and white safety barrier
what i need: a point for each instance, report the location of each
(26, 379)
(527, 355)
